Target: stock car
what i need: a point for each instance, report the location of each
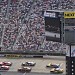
(53, 65)
(1, 63)
(56, 70)
(28, 64)
(6, 63)
(24, 69)
(4, 67)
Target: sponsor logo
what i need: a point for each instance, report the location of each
(69, 14)
(48, 14)
(73, 53)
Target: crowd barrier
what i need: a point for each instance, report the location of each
(31, 56)
(38, 56)
(28, 56)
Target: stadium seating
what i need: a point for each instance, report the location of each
(22, 25)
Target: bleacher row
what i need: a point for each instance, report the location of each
(22, 25)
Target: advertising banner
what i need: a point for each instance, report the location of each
(68, 51)
(73, 51)
(13, 56)
(69, 14)
(69, 27)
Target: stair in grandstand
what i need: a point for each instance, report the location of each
(2, 18)
(7, 16)
(1, 32)
(26, 17)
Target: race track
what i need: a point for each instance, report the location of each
(40, 66)
(16, 73)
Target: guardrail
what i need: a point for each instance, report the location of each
(2, 55)
(29, 54)
(36, 53)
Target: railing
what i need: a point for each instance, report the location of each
(36, 53)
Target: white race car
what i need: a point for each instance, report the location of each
(28, 64)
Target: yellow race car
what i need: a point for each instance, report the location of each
(53, 65)
(56, 70)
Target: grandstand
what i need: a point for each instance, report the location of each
(22, 25)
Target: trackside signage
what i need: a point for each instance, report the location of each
(68, 51)
(50, 14)
(70, 14)
(72, 51)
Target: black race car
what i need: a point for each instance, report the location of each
(24, 69)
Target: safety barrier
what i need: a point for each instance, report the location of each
(22, 56)
(38, 56)
(2, 55)
(13, 56)
(28, 56)
(33, 56)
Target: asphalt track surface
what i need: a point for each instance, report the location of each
(40, 66)
(15, 73)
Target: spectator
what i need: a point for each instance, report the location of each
(24, 27)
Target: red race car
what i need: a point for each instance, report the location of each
(1, 63)
(6, 63)
(4, 67)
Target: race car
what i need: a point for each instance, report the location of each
(53, 65)
(4, 67)
(28, 64)
(6, 63)
(1, 63)
(24, 69)
(56, 70)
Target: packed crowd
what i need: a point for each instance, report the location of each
(58, 4)
(24, 25)
(17, 11)
(3, 10)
